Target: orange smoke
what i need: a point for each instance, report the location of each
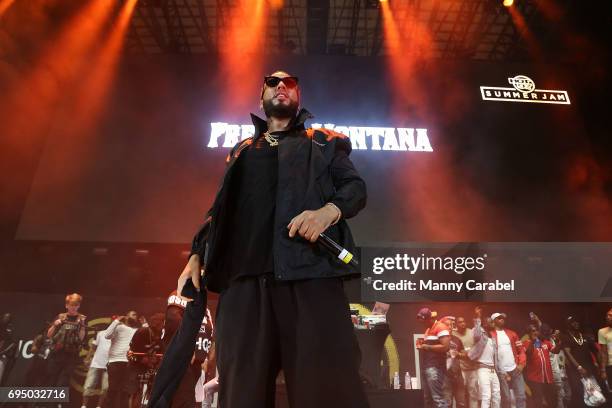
(551, 10)
(80, 115)
(4, 5)
(408, 42)
(241, 55)
(66, 87)
(446, 207)
(585, 182)
(32, 100)
(276, 4)
(92, 94)
(524, 31)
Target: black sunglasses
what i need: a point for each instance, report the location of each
(290, 81)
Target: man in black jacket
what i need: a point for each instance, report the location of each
(282, 304)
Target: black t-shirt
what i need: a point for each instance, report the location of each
(583, 349)
(251, 207)
(455, 345)
(144, 340)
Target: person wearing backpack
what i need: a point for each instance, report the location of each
(67, 334)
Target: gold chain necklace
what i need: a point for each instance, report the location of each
(579, 342)
(272, 140)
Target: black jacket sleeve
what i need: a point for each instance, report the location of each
(182, 345)
(139, 341)
(198, 244)
(351, 194)
(178, 354)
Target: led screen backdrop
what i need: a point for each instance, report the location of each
(490, 169)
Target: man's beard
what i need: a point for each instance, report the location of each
(280, 110)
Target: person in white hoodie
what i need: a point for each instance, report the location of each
(120, 334)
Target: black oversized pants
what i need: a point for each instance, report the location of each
(542, 392)
(61, 366)
(184, 397)
(302, 327)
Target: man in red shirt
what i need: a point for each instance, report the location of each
(538, 372)
(432, 351)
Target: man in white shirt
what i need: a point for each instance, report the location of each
(511, 359)
(505, 355)
(96, 382)
(120, 333)
(604, 338)
(484, 354)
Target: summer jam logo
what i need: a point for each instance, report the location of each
(523, 90)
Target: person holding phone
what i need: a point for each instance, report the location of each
(538, 370)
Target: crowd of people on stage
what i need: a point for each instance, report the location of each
(485, 365)
(490, 365)
(121, 359)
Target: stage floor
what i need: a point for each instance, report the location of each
(377, 398)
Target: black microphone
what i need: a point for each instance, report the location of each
(335, 249)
